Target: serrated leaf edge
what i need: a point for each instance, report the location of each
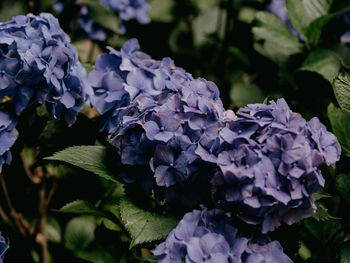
(126, 224)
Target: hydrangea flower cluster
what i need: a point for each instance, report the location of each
(8, 136)
(157, 114)
(39, 65)
(86, 26)
(160, 116)
(270, 164)
(3, 247)
(129, 10)
(209, 236)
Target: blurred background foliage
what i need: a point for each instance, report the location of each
(252, 57)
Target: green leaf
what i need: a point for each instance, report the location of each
(115, 210)
(160, 10)
(53, 230)
(102, 15)
(322, 213)
(208, 11)
(345, 253)
(207, 4)
(313, 31)
(298, 15)
(80, 239)
(81, 207)
(343, 186)
(151, 259)
(36, 258)
(310, 16)
(342, 50)
(41, 111)
(304, 252)
(320, 194)
(324, 62)
(90, 158)
(272, 29)
(273, 38)
(341, 87)
(79, 233)
(316, 8)
(96, 254)
(201, 27)
(51, 131)
(341, 127)
(322, 230)
(246, 15)
(113, 192)
(269, 50)
(145, 226)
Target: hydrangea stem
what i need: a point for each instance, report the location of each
(4, 217)
(223, 55)
(76, 21)
(34, 179)
(21, 223)
(45, 196)
(41, 235)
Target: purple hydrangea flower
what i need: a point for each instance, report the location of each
(129, 10)
(157, 114)
(160, 117)
(8, 136)
(270, 252)
(278, 8)
(3, 247)
(39, 65)
(91, 29)
(210, 236)
(86, 27)
(269, 164)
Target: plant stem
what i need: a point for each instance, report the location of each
(21, 223)
(45, 197)
(41, 236)
(76, 21)
(4, 216)
(223, 55)
(34, 179)
(189, 23)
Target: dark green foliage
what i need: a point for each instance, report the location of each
(145, 226)
(341, 127)
(95, 159)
